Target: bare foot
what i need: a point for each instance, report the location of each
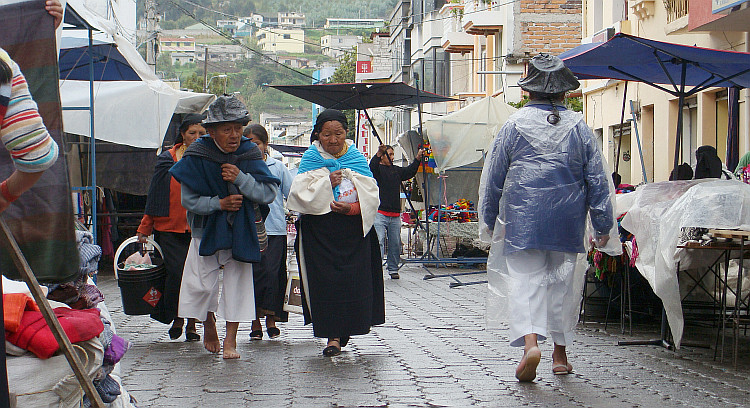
(230, 349)
(210, 337)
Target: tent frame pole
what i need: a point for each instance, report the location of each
(638, 140)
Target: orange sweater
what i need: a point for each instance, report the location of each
(177, 220)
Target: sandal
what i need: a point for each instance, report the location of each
(191, 336)
(175, 332)
(562, 369)
(531, 358)
(256, 335)
(273, 332)
(331, 351)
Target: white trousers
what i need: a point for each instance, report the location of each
(540, 282)
(199, 292)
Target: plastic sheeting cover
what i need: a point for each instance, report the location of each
(656, 215)
(528, 188)
(133, 113)
(462, 137)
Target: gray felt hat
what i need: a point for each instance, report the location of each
(548, 74)
(227, 108)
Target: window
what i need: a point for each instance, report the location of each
(689, 141)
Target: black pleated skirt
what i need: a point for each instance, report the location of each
(175, 247)
(269, 279)
(343, 275)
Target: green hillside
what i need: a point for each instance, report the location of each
(315, 10)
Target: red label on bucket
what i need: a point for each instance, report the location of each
(152, 296)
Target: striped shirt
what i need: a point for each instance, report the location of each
(21, 128)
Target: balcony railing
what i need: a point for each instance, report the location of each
(676, 9)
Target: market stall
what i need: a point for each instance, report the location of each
(457, 144)
(658, 213)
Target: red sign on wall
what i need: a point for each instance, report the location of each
(364, 67)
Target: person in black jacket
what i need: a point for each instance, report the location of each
(388, 220)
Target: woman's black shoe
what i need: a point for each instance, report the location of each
(192, 336)
(331, 351)
(273, 332)
(256, 335)
(175, 332)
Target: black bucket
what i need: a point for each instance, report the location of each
(141, 290)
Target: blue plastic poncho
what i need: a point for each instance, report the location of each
(542, 180)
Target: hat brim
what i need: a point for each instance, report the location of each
(244, 121)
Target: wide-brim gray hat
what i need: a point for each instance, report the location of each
(548, 74)
(227, 108)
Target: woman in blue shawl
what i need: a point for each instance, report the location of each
(337, 248)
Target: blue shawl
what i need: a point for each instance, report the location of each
(224, 230)
(352, 159)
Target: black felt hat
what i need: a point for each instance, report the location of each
(227, 108)
(549, 75)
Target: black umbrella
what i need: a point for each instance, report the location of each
(361, 95)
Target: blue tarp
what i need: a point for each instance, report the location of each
(632, 58)
(109, 63)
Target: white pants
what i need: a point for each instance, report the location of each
(199, 292)
(540, 282)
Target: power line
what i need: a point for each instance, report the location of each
(237, 42)
(340, 49)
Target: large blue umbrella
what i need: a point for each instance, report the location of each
(679, 70)
(109, 63)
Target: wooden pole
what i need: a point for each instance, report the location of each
(62, 339)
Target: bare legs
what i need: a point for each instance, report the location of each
(230, 341)
(211, 337)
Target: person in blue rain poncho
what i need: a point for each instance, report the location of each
(543, 177)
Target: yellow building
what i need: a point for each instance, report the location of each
(655, 111)
(281, 40)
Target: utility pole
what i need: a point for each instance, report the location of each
(151, 33)
(205, 68)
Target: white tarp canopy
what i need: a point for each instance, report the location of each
(133, 113)
(461, 137)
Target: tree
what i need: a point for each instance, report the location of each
(344, 74)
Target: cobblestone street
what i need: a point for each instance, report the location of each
(432, 351)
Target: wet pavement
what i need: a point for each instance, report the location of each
(433, 351)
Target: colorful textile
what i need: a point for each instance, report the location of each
(41, 220)
(116, 349)
(14, 305)
(34, 335)
(21, 128)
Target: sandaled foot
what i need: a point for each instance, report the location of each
(256, 335)
(230, 350)
(175, 332)
(526, 371)
(562, 369)
(333, 348)
(210, 336)
(273, 332)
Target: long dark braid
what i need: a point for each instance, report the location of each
(554, 117)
